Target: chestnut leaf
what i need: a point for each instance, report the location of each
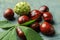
(11, 35)
(30, 33)
(6, 24)
(7, 36)
(3, 34)
(28, 23)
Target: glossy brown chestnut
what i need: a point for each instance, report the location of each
(44, 8)
(47, 16)
(35, 26)
(47, 28)
(9, 14)
(20, 33)
(23, 19)
(35, 14)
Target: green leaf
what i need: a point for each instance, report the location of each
(3, 34)
(7, 36)
(30, 34)
(28, 23)
(13, 35)
(6, 24)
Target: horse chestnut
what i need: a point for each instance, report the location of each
(44, 8)
(35, 14)
(35, 26)
(47, 16)
(23, 19)
(47, 28)
(9, 14)
(20, 33)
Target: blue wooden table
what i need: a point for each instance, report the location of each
(54, 7)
